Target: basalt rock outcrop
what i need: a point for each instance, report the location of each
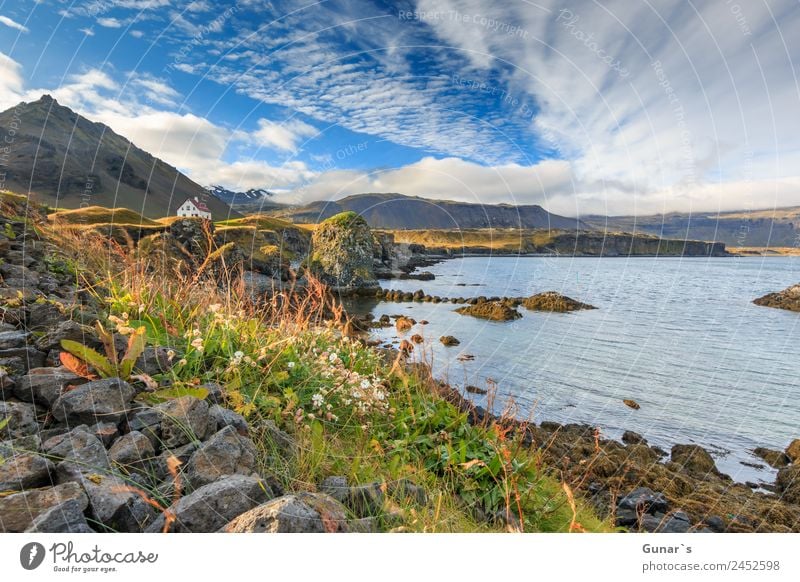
(788, 299)
(342, 249)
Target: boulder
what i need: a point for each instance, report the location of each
(222, 417)
(363, 500)
(693, 459)
(775, 459)
(299, 513)
(793, 451)
(148, 422)
(69, 330)
(67, 517)
(449, 340)
(20, 510)
(283, 443)
(788, 299)
(183, 420)
(225, 453)
(44, 316)
(788, 483)
(26, 444)
(133, 450)
(25, 471)
(14, 339)
(7, 384)
(643, 500)
(341, 256)
(403, 323)
(491, 310)
(21, 419)
(153, 361)
(633, 438)
(102, 400)
(553, 301)
(45, 385)
(29, 357)
(212, 506)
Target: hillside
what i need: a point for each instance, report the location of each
(66, 161)
(779, 227)
(399, 212)
(554, 242)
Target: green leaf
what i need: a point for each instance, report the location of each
(4, 422)
(91, 357)
(166, 394)
(136, 344)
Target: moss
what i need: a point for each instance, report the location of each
(349, 219)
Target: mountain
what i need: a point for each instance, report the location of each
(778, 227)
(253, 200)
(399, 212)
(67, 161)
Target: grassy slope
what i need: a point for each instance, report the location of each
(374, 422)
(94, 215)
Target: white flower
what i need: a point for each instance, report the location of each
(170, 355)
(318, 400)
(197, 344)
(214, 307)
(182, 362)
(365, 384)
(291, 365)
(238, 354)
(333, 357)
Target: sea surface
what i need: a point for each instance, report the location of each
(680, 336)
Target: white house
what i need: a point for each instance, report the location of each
(194, 207)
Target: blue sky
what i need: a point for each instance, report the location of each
(584, 107)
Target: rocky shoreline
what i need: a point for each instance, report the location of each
(644, 488)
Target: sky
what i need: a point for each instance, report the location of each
(586, 107)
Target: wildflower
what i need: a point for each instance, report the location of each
(214, 307)
(196, 332)
(238, 354)
(182, 362)
(365, 384)
(141, 308)
(125, 330)
(318, 400)
(197, 344)
(291, 365)
(333, 357)
(170, 355)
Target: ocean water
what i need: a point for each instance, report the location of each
(678, 335)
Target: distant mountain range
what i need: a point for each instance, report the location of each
(747, 228)
(252, 200)
(399, 212)
(66, 161)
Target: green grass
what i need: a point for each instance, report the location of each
(99, 215)
(350, 412)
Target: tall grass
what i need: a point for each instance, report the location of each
(288, 359)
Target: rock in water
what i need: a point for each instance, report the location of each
(552, 301)
(341, 257)
(449, 340)
(787, 299)
(492, 310)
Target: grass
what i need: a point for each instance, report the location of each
(99, 215)
(351, 412)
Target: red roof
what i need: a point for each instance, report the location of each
(198, 204)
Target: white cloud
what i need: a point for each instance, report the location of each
(11, 82)
(284, 135)
(88, 31)
(156, 90)
(109, 22)
(13, 24)
(136, 33)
